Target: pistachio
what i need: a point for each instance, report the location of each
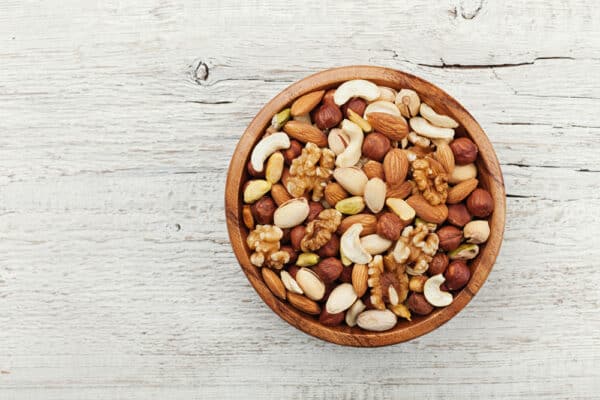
(281, 118)
(360, 121)
(351, 205)
(307, 260)
(464, 252)
(274, 168)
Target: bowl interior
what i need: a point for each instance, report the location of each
(489, 175)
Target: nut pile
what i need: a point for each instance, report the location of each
(363, 208)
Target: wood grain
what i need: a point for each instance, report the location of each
(118, 121)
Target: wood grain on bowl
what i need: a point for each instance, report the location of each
(489, 176)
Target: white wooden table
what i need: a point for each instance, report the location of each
(117, 122)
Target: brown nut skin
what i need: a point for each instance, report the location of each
(293, 270)
(253, 173)
(328, 96)
(293, 254)
(263, 210)
(389, 226)
(458, 215)
(457, 275)
(346, 275)
(366, 299)
(292, 152)
(296, 236)
(480, 203)
(331, 319)
(438, 264)
(418, 304)
(464, 150)
(327, 116)
(375, 146)
(329, 269)
(331, 248)
(285, 239)
(314, 208)
(356, 104)
(450, 237)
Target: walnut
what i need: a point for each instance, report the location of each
(265, 241)
(318, 231)
(310, 171)
(431, 182)
(388, 285)
(416, 248)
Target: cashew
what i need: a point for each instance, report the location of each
(387, 93)
(401, 252)
(418, 140)
(408, 102)
(291, 213)
(352, 179)
(338, 141)
(477, 231)
(433, 294)
(424, 128)
(443, 121)
(351, 246)
(352, 153)
(375, 244)
(381, 106)
(267, 146)
(356, 88)
(353, 312)
(462, 173)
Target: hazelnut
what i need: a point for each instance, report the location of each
(389, 226)
(480, 203)
(464, 150)
(296, 236)
(285, 239)
(375, 146)
(329, 269)
(417, 283)
(327, 116)
(293, 254)
(314, 208)
(263, 210)
(253, 173)
(292, 152)
(328, 319)
(328, 96)
(355, 104)
(450, 237)
(438, 264)
(457, 275)
(331, 248)
(346, 275)
(458, 215)
(418, 304)
(366, 299)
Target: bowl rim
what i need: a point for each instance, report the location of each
(482, 265)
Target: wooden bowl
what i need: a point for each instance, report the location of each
(490, 177)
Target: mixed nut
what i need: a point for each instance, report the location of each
(363, 208)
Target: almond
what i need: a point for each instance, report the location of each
(273, 282)
(461, 191)
(306, 103)
(398, 191)
(444, 155)
(305, 133)
(247, 217)
(373, 169)
(375, 194)
(395, 167)
(303, 303)
(434, 214)
(395, 128)
(310, 283)
(360, 276)
(334, 192)
(368, 221)
(341, 298)
(280, 194)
